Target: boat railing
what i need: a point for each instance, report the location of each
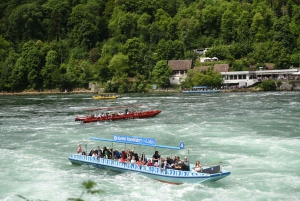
(135, 167)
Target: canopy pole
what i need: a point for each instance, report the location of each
(112, 150)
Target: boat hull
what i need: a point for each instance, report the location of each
(146, 114)
(168, 175)
(104, 97)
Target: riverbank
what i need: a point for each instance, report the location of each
(80, 91)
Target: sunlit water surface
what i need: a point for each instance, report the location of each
(255, 135)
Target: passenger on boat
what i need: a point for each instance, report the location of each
(155, 157)
(130, 153)
(198, 167)
(136, 156)
(178, 163)
(99, 152)
(166, 165)
(149, 163)
(91, 152)
(156, 164)
(175, 162)
(132, 161)
(170, 160)
(79, 150)
(139, 162)
(123, 156)
(95, 155)
(103, 151)
(107, 153)
(144, 159)
(83, 153)
(161, 162)
(117, 154)
(185, 165)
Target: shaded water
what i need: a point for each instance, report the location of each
(255, 135)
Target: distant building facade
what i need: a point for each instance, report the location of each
(249, 78)
(180, 68)
(230, 78)
(201, 51)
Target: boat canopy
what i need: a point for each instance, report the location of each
(113, 107)
(137, 141)
(200, 87)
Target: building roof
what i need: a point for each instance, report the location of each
(221, 67)
(270, 66)
(217, 68)
(180, 64)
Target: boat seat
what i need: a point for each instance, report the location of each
(212, 170)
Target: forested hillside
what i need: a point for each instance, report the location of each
(64, 44)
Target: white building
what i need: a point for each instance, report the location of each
(180, 68)
(201, 51)
(208, 59)
(248, 78)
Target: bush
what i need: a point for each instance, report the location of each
(268, 85)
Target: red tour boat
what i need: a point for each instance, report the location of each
(110, 116)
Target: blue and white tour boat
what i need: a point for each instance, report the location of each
(169, 175)
(200, 90)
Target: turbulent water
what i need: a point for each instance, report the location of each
(255, 135)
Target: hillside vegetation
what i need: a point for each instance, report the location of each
(64, 44)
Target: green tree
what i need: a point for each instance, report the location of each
(25, 23)
(7, 69)
(52, 65)
(187, 31)
(262, 52)
(119, 65)
(161, 73)
(84, 26)
(140, 84)
(221, 52)
(136, 52)
(101, 71)
(243, 30)
(211, 20)
(160, 25)
(18, 79)
(227, 26)
(282, 32)
(143, 26)
(57, 13)
(207, 78)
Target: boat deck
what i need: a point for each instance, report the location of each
(166, 175)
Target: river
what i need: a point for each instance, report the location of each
(254, 134)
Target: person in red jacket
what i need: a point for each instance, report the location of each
(79, 150)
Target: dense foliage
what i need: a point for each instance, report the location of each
(268, 85)
(47, 44)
